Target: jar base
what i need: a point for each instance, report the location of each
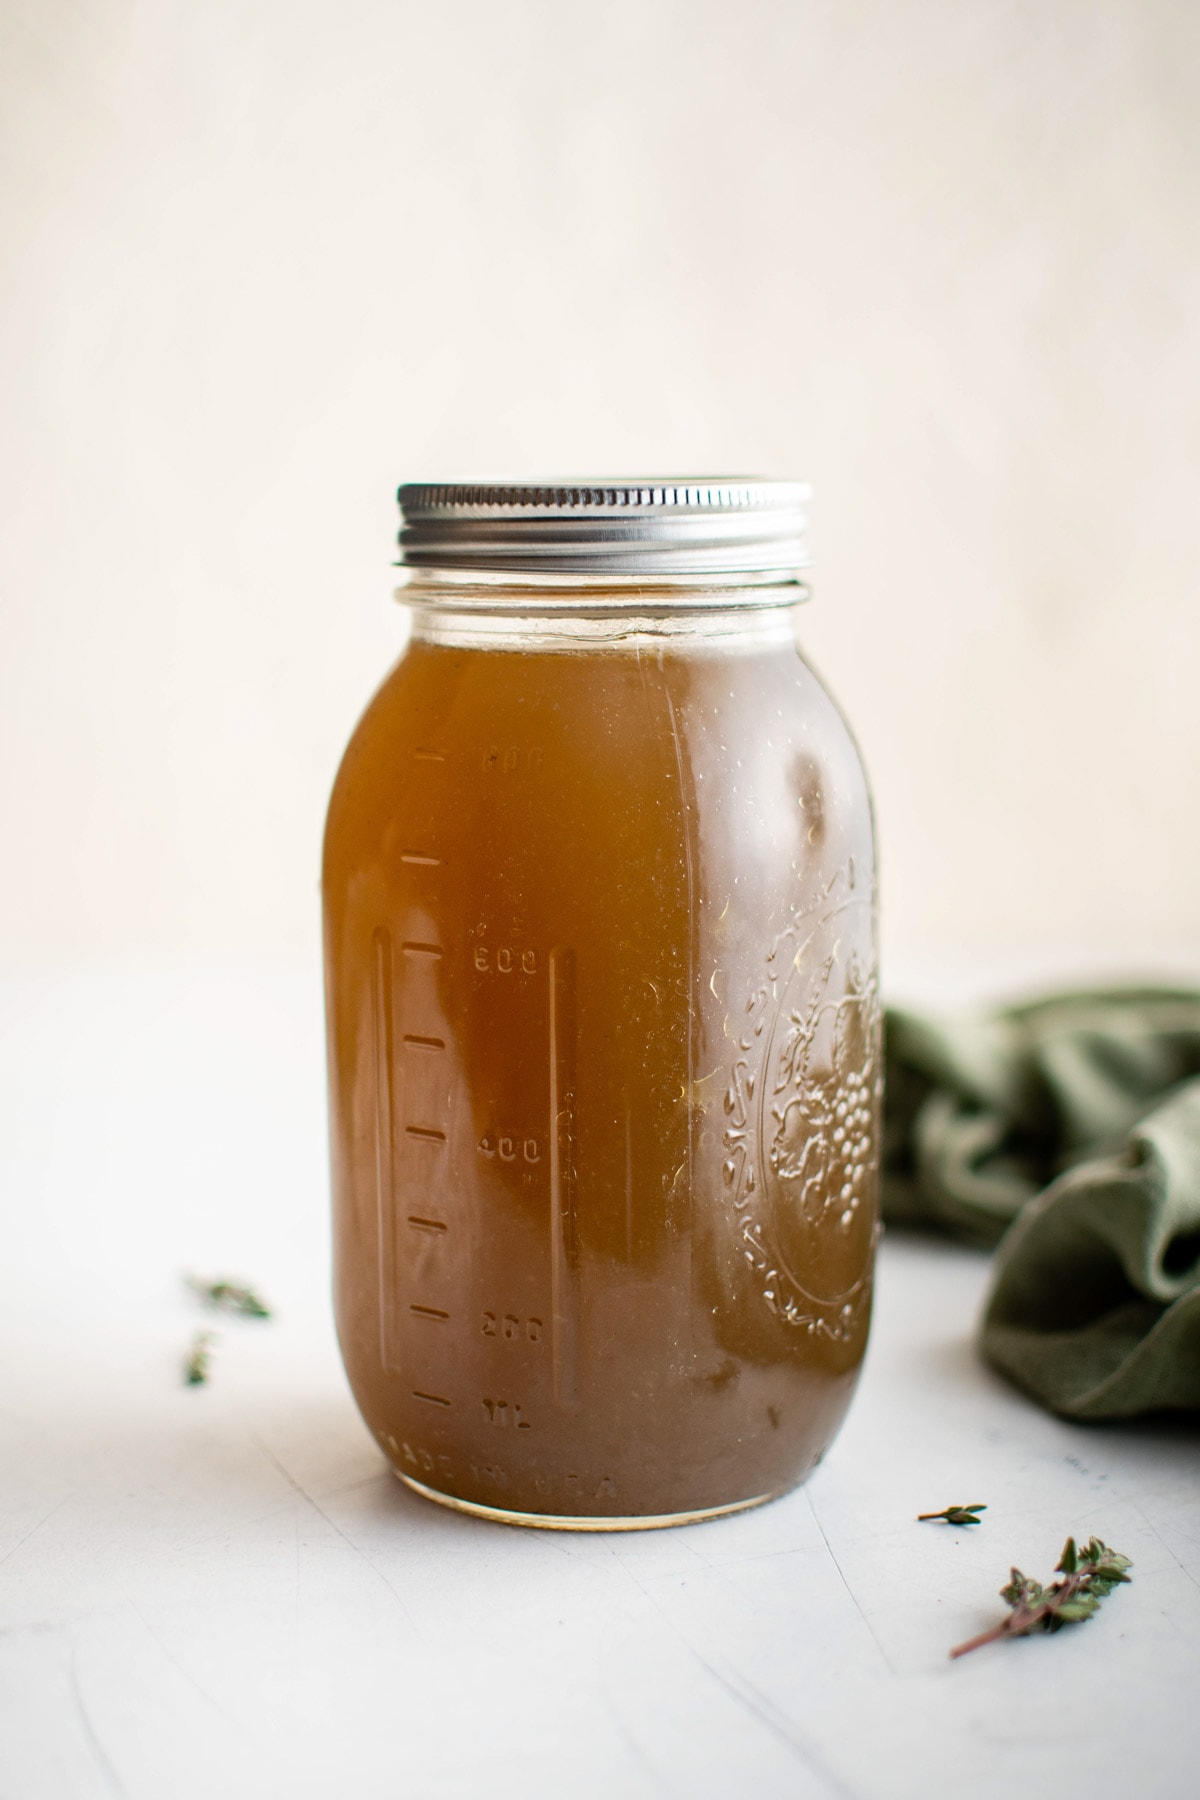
(571, 1522)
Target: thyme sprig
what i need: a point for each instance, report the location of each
(1088, 1576)
(958, 1515)
(195, 1367)
(229, 1297)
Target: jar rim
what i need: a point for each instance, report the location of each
(599, 593)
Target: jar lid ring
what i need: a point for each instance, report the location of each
(631, 526)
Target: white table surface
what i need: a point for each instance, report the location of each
(222, 1592)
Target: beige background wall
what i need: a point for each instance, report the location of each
(266, 257)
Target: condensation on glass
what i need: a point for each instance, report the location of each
(604, 1027)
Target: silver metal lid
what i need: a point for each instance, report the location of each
(673, 526)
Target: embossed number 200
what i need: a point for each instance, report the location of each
(510, 1327)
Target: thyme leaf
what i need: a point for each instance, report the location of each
(195, 1367)
(958, 1515)
(1088, 1575)
(229, 1296)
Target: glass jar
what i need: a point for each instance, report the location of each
(604, 1028)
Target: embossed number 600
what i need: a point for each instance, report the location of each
(504, 961)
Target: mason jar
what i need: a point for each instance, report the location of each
(603, 1016)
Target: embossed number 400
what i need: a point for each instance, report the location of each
(508, 1149)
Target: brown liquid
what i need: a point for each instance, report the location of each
(604, 1072)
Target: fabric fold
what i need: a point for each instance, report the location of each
(1067, 1131)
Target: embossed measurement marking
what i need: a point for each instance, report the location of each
(511, 1327)
(505, 960)
(423, 754)
(417, 1116)
(564, 1260)
(510, 757)
(385, 1137)
(498, 1412)
(414, 1119)
(509, 1148)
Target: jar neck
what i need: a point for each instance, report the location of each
(580, 611)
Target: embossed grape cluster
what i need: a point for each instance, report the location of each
(825, 1135)
(852, 1136)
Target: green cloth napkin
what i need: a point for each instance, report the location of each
(1068, 1132)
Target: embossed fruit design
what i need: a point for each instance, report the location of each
(803, 1137)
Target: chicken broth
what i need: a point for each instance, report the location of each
(604, 1065)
